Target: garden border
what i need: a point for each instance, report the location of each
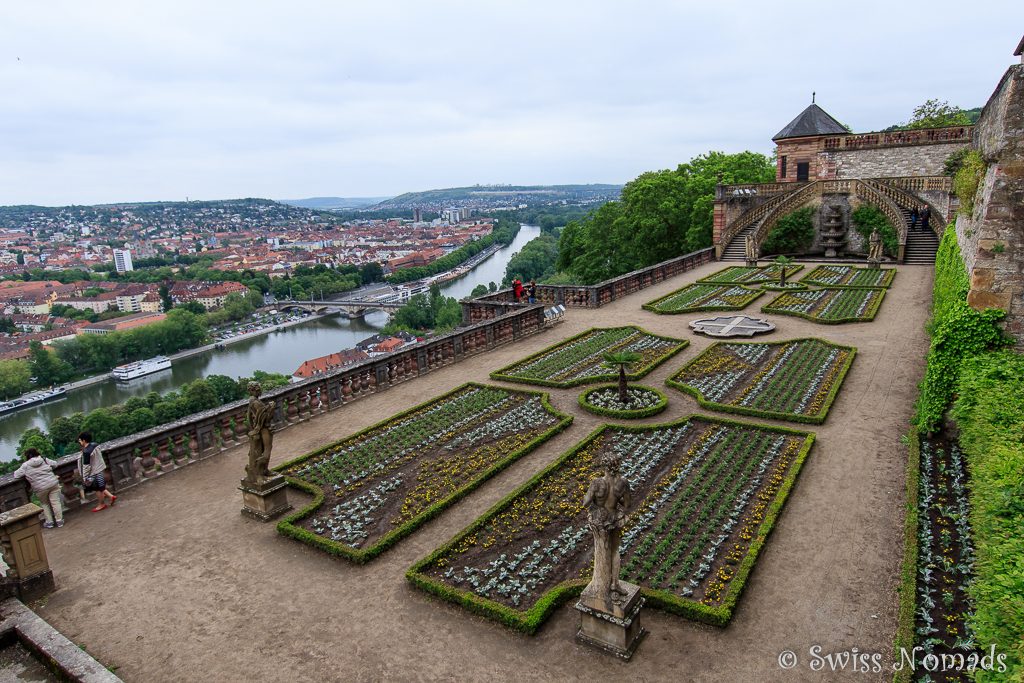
(652, 305)
(287, 526)
(529, 621)
(872, 310)
(611, 375)
(623, 414)
(797, 267)
(771, 415)
(906, 591)
(823, 285)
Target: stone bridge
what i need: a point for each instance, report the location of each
(353, 308)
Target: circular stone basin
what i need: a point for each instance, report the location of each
(604, 400)
(788, 287)
(732, 326)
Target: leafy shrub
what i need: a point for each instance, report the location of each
(866, 218)
(792, 233)
(990, 415)
(967, 179)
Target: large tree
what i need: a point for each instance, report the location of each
(935, 114)
(14, 378)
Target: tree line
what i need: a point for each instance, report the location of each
(504, 232)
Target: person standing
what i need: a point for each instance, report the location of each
(38, 472)
(926, 213)
(91, 467)
(517, 289)
(531, 291)
(913, 219)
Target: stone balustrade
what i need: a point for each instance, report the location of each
(496, 304)
(898, 138)
(150, 454)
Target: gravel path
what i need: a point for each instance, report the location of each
(175, 585)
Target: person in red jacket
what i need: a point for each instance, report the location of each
(517, 289)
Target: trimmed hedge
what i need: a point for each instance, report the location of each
(528, 621)
(287, 526)
(623, 414)
(990, 415)
(610, 375)
(907, 589)
(652, 306)
(869, 313)
(743, 410)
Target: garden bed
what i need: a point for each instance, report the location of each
(795, 380)
(831, 306)
(380, 484)
(580, 359)
(641, 401)
(698, 297)
(788, 287)
(849, 276)
(705, 494)
(743, 275)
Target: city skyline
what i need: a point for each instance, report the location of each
(111, 104)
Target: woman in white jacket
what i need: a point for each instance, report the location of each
(38, 472)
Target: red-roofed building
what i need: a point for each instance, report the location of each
(318, 366)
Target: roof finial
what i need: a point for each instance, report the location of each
(812, 97)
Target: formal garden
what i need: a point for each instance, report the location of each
(705, 494)
(830, 306)
(833, 275)
(741, 275)
(581, 359)
(794, 380)
(699, 297)
(377, 486)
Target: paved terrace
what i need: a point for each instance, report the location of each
(174, 584)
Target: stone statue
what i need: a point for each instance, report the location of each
(750, 250)
(875, 247)
(606, 502)
(261, 439)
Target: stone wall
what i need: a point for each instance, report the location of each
(991, 239)
(916, 160)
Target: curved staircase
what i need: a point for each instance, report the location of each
(736, 251)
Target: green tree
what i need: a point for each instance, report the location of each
(64, 431)
(536, 260)
(792, 233)
(141, 419)
(479, 290)
(192, 307)
(103, 425)
(199, 396)
(371, 272)
(165, 297)
(7, 326)
(33, 437)
(867, 218)
(226, 389)
(935, 114)
(46, 367)
(14, 378)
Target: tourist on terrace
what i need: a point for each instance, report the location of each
(531, 291)
(517, 289)
(91, 472)
(38, 472)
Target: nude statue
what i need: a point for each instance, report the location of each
(606, 503)
(751, 250)
(875, 247)
(261, 439)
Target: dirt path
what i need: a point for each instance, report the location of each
(175, 585)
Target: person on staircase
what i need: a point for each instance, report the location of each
(913, 219)
(926, 213)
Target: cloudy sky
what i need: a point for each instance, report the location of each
(135, 101)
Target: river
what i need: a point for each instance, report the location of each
(282, 352)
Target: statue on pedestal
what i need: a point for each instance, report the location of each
(606, 503)
(750, 250)
(875, 248)
(260, 414)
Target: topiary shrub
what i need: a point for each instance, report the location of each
(792, 233)
(866, 218)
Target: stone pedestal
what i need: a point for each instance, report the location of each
(21, 540)
(265, 499)
(616, 631)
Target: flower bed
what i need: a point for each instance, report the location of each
(380, 484)
(829, 306)
(705, 494)
(788, 287)
(700, 297)
(795, 380)
(740, 275)
(849, 276)
(642, 401)
(580, 359)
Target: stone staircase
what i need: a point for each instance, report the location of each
(736, 251)
(922, 244)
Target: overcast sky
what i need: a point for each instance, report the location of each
(137, 101)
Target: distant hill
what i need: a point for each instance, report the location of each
(490, 196)
(328, 203)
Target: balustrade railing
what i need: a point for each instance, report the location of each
(752, 190)
(898, 138)
(936, 222)
(146, 455)
(754, 215)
